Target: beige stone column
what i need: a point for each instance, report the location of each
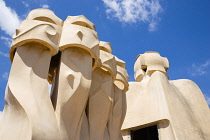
(119, 106)
(101, 94)
(28, 113)
(147, 103)
(79, 46)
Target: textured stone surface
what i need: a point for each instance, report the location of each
(178, 107)
(88, 99)
(83, 103)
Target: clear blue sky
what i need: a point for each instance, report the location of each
(177, 29)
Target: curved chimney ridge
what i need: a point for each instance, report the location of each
(91, 98)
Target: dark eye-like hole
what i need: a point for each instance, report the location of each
(46, 19)
(93, 62)
(144, 68)
(82, 24)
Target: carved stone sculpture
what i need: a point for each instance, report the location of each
(88, 99)
(101, 94)
(119, 105)
(177, 107)
(28, 112)
(79, 46)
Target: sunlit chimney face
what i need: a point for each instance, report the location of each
(44, 15)
(148, 63)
